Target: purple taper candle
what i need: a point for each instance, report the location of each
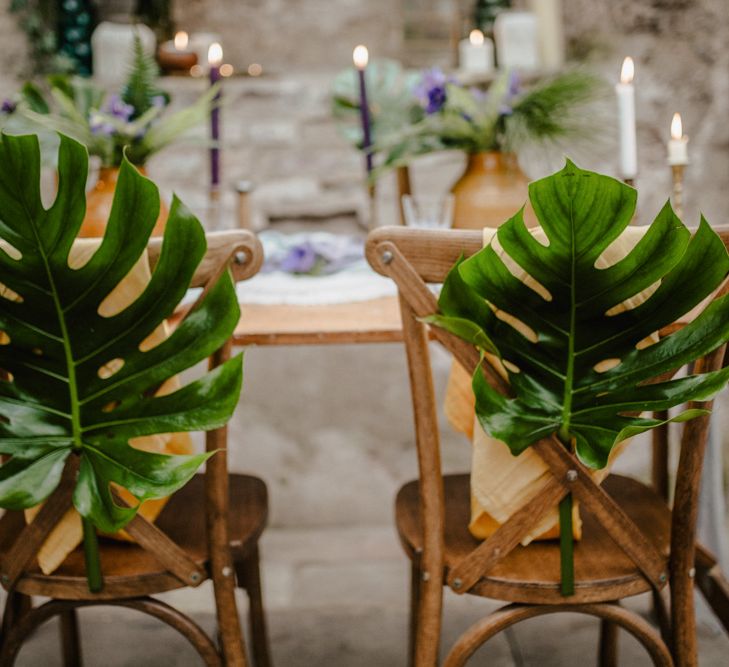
(215, 57)
(361, 57)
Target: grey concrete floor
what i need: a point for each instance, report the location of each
(337, 597)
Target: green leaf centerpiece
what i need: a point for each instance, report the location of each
(55, 402)
(577, 362)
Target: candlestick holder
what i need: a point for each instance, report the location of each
(677, 171)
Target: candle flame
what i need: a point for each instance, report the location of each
(676, 126)
(360, 56)
(476, 37)
(215, 54)
(628, 71)
(181, 40)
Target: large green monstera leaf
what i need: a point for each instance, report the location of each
(568, 327)
(55, 402)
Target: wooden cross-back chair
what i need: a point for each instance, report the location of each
(631, 543)
(208, 530)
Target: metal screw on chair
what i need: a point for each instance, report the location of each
(692, 573)
(426, 576)
(457, 583)
(226, 571)
(571, 475)
(387, 257)
(662, 577)
(239, 258)
(195, 577)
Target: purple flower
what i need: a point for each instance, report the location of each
(118, 108)
(514, 87)
(431, 91)
(512, 90)
(99, 125)
(300, 259)
(8, 106)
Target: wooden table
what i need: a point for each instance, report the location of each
(373, 321)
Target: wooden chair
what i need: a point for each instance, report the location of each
(208, 529)
(632, 542)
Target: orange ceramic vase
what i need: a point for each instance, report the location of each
(100, 199)
(490, 191)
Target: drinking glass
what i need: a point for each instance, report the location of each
(428, 210)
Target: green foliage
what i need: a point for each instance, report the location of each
(56, 404)
(133, 123)
(140, 89)
(558, 387)
(507, 117)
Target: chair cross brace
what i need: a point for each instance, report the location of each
(31, 538)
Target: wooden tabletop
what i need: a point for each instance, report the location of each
(374, 321)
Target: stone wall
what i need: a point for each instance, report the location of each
(286, 35)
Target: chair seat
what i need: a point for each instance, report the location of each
(531, 574)
(129, 570)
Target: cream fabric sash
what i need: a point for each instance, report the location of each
(500, 482)
(68, 533)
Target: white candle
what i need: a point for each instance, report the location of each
(516, 40)
(550, 32)
(476, 54)
(678, 143)
(626, 119)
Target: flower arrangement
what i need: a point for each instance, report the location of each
(436, 112)
(129, 120)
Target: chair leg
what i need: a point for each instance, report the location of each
(16, 605)
(414, 606)
(608, 650)
(70, 643)
(248, 573)
(429, 619)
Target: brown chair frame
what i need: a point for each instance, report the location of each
(413, 258)
(242, 253)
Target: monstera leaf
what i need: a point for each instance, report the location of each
(56, 402)
(577, 366)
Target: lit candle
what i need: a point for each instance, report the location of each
(626, 119)
(175, 56)
(677, 144)
(476, 53)
(361, 58)
(215, 58)
(181, 41)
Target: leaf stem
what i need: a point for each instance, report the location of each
(566, 547)
(91, 556)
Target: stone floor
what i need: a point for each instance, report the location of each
(337, 597)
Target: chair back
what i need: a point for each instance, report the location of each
(415, 257)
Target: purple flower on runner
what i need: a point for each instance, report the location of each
(431, 91)
(8, 106)
(300, 259)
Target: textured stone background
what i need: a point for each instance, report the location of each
(310, 416)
